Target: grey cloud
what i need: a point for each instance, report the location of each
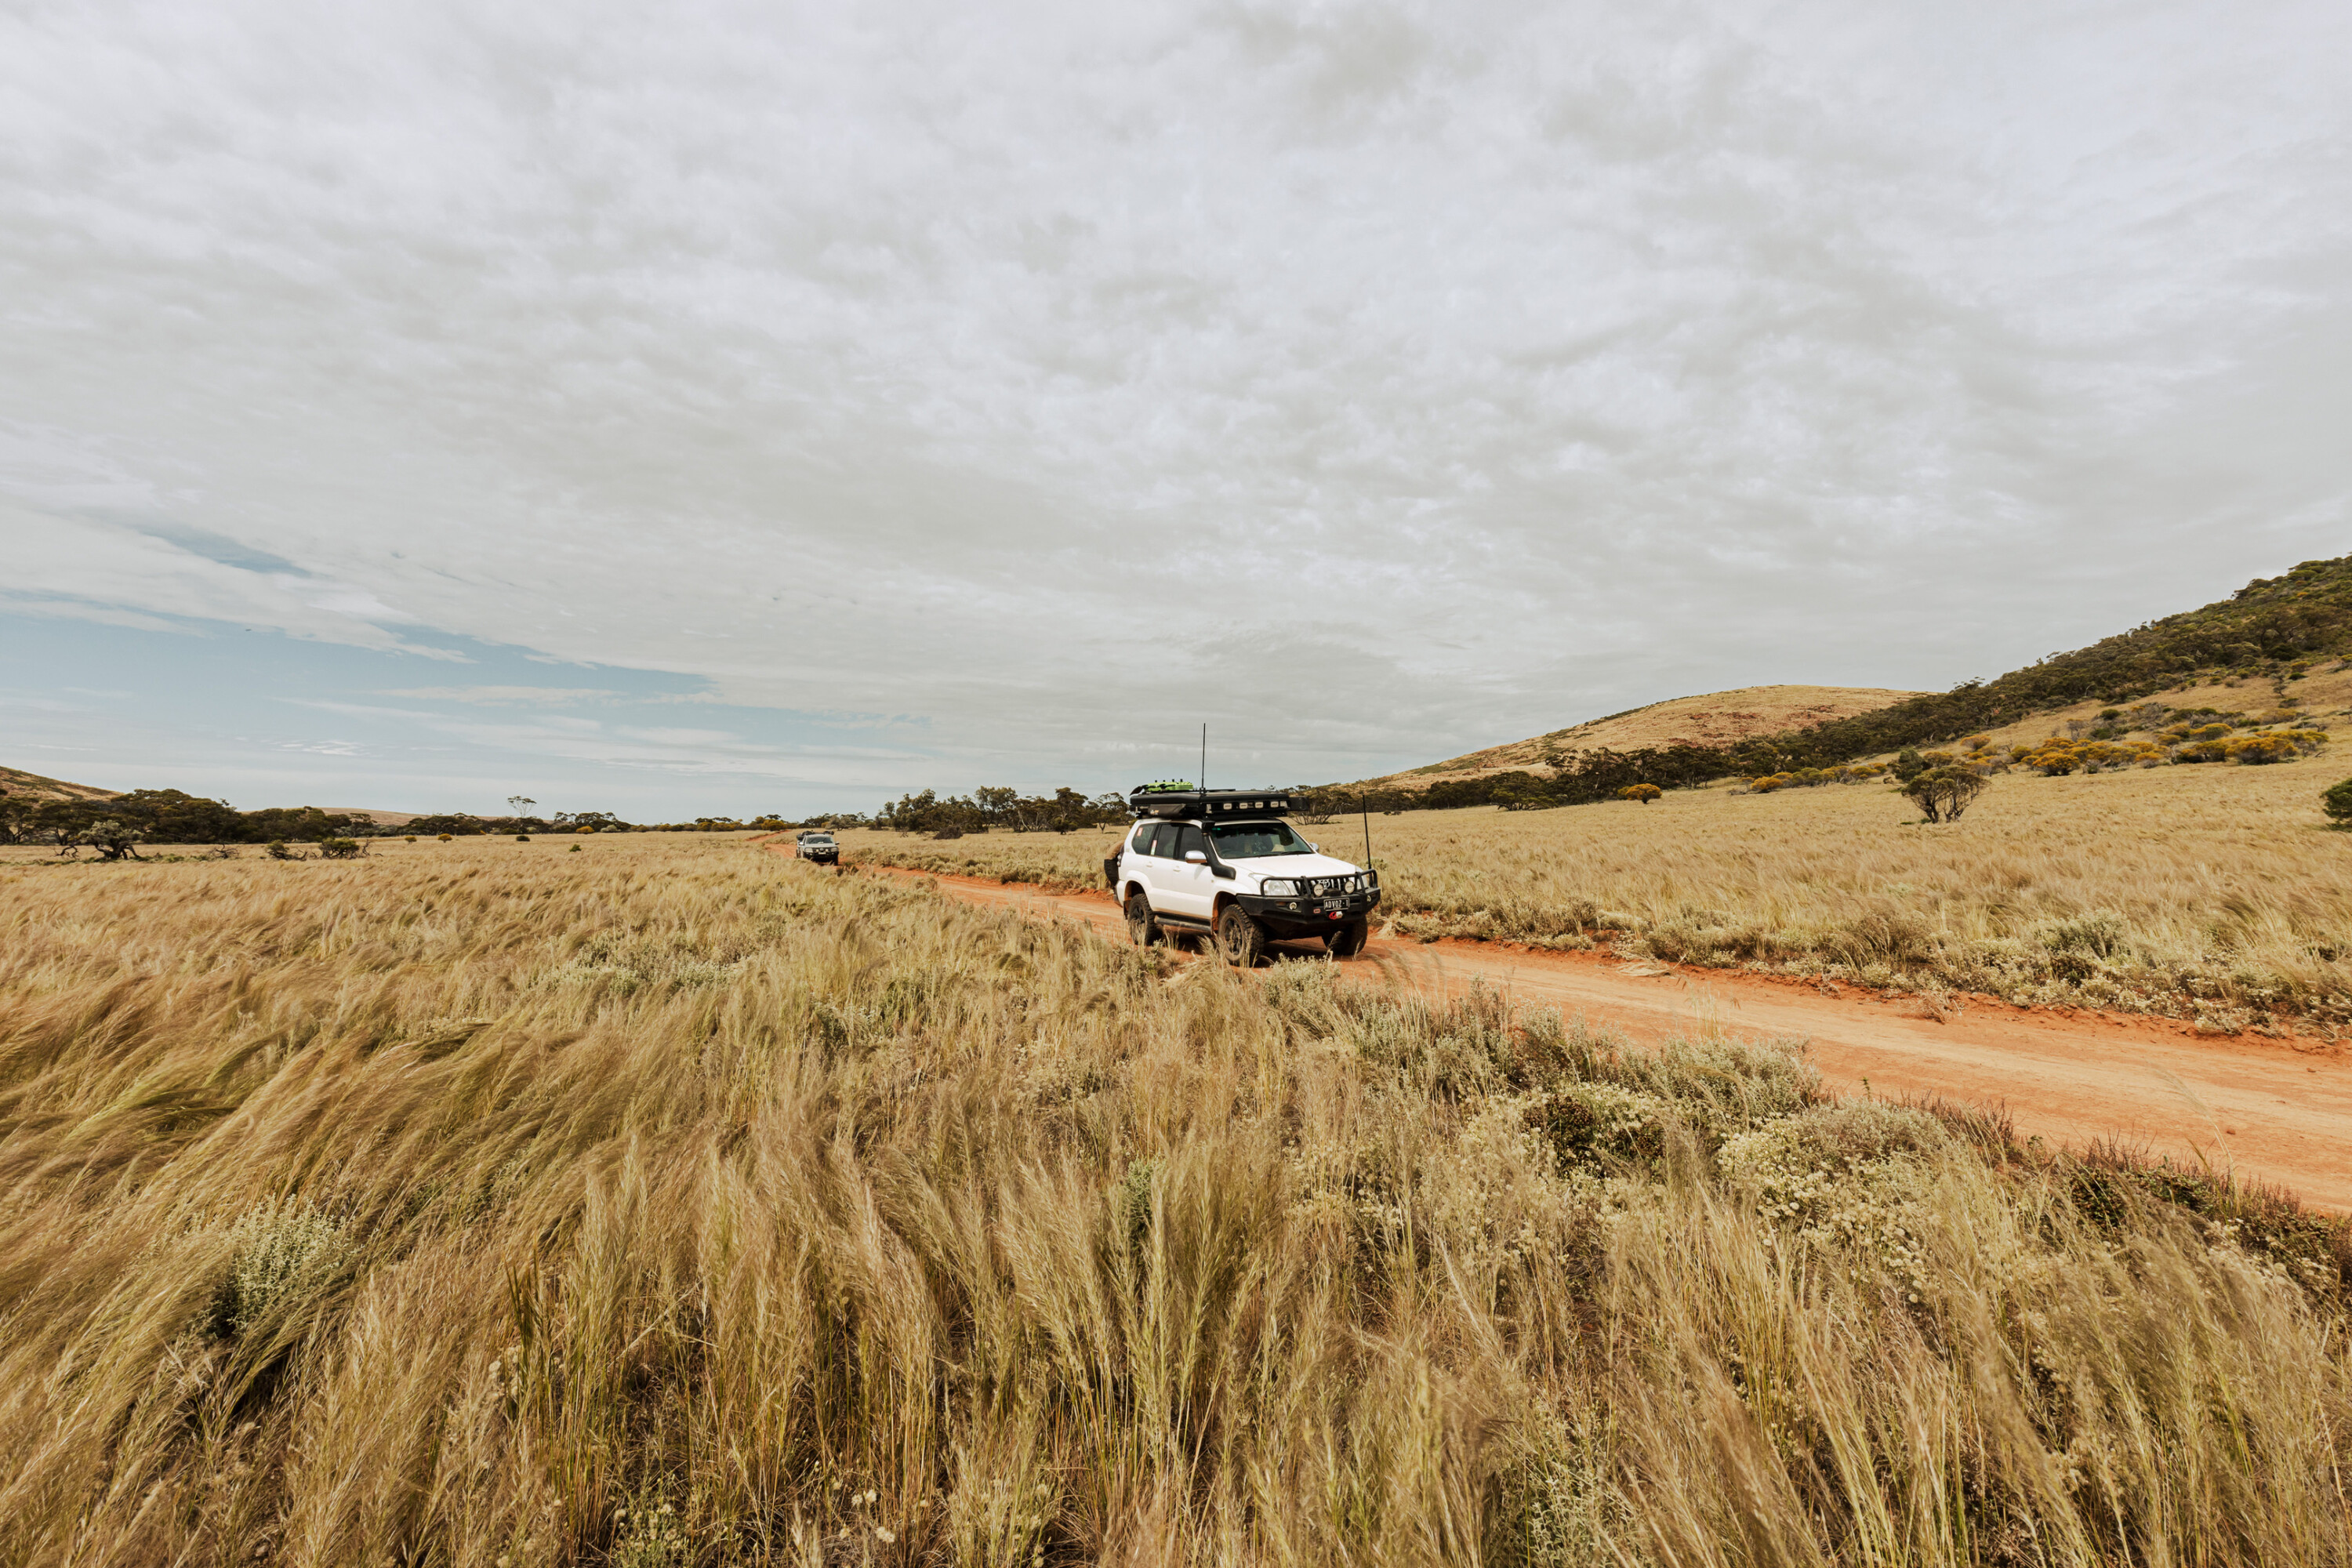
(500, 695)
(1376, 381)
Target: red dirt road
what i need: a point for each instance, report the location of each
(2279, 1112)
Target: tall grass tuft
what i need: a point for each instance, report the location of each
(674, 1204)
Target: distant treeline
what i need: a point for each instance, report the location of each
(1579, 778)
(995, 806)
(170, 816)
(457, 824)
(174, 816)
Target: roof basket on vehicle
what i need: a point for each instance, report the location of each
(1163, 801)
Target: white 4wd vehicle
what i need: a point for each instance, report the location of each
(1223, 863)
(817, 845)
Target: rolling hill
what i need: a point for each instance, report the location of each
(1716, 719)
(2292, 634)
(2275, 631)
(18, 782)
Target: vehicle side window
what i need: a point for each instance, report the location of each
(1144, 836)
(1188, 839)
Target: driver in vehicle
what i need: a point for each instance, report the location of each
(1256, 840)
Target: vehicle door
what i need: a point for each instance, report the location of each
(1145, 861)
(1189, 891)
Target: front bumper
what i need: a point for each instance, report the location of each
(1317, 909)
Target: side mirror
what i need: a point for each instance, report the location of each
(1195, 857)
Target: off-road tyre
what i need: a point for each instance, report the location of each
(1239, 937)
(1348, 940)
(1142, 926)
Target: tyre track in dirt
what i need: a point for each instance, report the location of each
(2273, 1111)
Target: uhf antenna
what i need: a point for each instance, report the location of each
(1205, 759)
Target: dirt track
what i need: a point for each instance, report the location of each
(2278, 1113)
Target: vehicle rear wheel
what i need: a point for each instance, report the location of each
(1239, 937)
(1140, 923)
(1348, 940)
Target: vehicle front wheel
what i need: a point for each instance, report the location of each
(1347, 941)
(1239, 937)
(1140, 924)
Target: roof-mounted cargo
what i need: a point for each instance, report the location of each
(1167, 802)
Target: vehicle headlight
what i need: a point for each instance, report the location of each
(1278, 887)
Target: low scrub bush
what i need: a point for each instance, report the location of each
(1945, 790)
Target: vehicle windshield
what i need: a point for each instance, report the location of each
(1254, 840)
(818, 838)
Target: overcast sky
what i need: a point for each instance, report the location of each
(695, 408)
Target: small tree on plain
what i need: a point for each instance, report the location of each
(2337, 802)
(1642, 794)
(1909, 765)
(111, 839)
(1942, 793)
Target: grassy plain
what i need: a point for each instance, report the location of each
(2206, 891)
(670, 1202)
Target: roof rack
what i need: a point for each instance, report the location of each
(1160, 801)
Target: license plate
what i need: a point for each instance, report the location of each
(1335, 903)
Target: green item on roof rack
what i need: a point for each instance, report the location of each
(1166, 785)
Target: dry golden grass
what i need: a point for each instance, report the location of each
(672, 1203)
(2211, 893)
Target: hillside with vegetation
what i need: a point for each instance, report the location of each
(2277, 628)
(17, 784)
(2275, 631)
(1714, 721)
